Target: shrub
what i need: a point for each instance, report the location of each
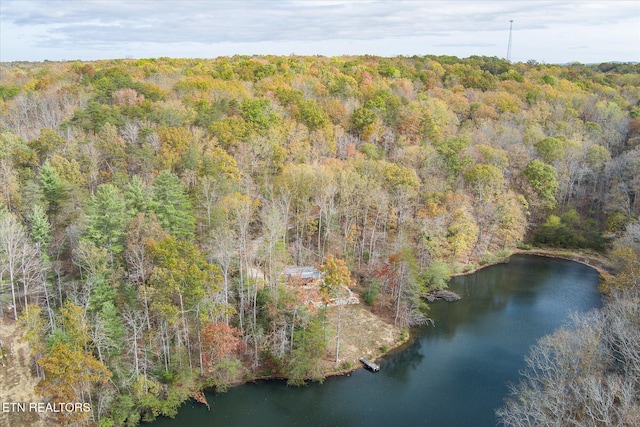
(371, 292)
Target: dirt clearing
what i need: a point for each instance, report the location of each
(17, 382)
(362, 334)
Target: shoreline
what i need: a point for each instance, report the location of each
(598, 262)
(384, 338)
(198, 396)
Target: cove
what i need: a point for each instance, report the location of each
(455, 373)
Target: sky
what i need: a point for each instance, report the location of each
(545, 31)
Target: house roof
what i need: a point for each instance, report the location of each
(302, 272)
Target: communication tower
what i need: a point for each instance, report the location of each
(509, 46)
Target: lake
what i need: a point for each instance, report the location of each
(455, 373)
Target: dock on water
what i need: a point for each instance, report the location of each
(374, 367)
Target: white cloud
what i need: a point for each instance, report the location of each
(35, 30)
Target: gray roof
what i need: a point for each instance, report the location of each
(302, 272)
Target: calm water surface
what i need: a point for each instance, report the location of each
(453, 374)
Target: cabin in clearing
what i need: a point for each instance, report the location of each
(306, 284)
(296, 276)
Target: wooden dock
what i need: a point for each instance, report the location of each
(373, 367)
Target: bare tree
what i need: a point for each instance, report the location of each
(221, 248)
(584, 375)
(134, 326)
(12, 240)
(32, 111)
(31, 267)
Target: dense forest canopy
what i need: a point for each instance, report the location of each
(149, 206)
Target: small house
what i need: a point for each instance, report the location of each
(301, 275)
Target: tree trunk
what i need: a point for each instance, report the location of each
(338, 330)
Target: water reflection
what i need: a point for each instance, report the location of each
(400, 363)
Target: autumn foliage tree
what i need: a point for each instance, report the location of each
(71, 371)
(335, 274)
(219, 341)
(162, 196)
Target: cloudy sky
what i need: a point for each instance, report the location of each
(547, 31)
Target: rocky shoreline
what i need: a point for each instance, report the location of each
(443, 294)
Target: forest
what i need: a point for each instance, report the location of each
(149, 207)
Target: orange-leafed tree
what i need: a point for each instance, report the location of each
(220, 346)
(219, 341)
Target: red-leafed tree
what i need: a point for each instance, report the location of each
(400, 289)
(220, 345)
(219, 341)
